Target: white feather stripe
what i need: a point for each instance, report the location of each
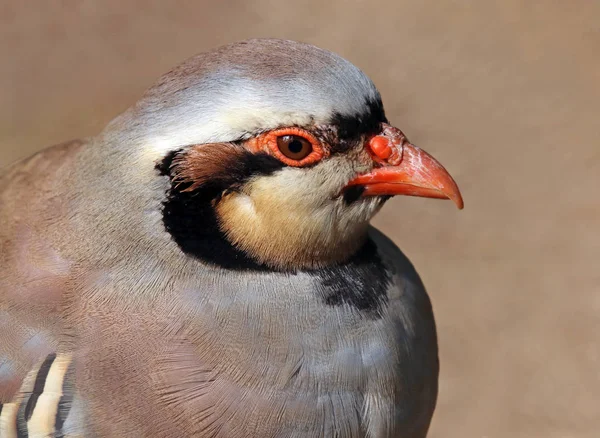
(8, 420)
(43, 418)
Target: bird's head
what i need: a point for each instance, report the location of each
(278, 155)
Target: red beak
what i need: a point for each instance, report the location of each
(404, 169)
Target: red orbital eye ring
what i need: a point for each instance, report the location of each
(272, 141)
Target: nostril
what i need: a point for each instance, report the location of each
(380, 146)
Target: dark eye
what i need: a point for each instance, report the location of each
(294, 146)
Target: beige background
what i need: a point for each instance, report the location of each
(506, 94)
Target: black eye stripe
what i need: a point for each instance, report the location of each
(350, 127)
(190, 218)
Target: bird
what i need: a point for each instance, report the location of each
(205, 265)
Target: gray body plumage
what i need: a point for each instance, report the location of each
(163, 344)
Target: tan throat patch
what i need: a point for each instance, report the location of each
(287, 236)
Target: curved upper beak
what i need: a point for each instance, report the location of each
(404, 169)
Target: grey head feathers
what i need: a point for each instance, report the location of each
(238, 90)
(233, 94)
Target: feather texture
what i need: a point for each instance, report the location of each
(110, 329)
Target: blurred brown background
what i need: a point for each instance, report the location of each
(505, 94)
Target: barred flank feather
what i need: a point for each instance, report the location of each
(43, 403)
